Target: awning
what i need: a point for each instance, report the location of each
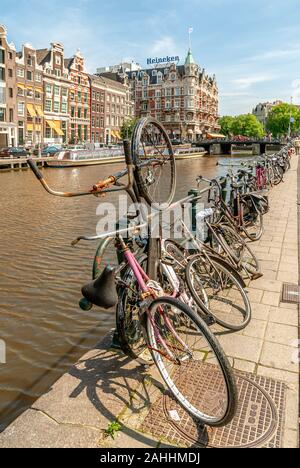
(215, 135)
(31, 110)
(39, 111)
(118, 135)
(30, 127)
(112, 133)
(57, 128)
(21, 85)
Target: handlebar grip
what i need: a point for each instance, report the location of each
(127, 151)
(35, 169)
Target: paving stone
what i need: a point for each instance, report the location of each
(290, 439)
(256, 329)
(283, 315)
(279, 357)
(241, 347)
(245, 366)
(271, 298)
(290, 378)
(282, 334)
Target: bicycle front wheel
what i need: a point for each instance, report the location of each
(191, 362)
(154, 160)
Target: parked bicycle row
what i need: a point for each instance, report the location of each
(169, 293)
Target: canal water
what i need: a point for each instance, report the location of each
(41, 275)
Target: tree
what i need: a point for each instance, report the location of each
(278, 121)
(127, 128)
(226, 123)
(247, 125)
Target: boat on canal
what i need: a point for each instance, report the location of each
(86, 157)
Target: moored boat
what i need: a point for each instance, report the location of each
(86, 157)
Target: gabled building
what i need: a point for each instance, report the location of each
(30, 94)
(183, 97)
(8, 91)
(110, 108)
(56, 94)
(79, 100)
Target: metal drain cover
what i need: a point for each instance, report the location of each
(258, 422)
(291, 293)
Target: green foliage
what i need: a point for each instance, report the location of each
(279, 119)
(113, 429)
(226, 123)
(246, 125)
(127, 128)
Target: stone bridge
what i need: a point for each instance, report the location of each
(229, 146)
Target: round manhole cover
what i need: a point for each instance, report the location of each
(255, 423)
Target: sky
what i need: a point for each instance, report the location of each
(253, 47)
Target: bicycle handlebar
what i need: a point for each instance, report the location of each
(104, 186)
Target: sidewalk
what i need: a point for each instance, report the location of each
(105, 385)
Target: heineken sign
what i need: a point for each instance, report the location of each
(158, 60)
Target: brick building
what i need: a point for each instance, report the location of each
(56, 94)
(183, 97)
(110, 107)
(8, 92)
(79, 100)
(29, 97)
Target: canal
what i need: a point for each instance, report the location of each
(41, 275)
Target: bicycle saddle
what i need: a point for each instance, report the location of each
(102, 292)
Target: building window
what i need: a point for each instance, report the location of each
(10, 73)
(79, 96)
(48, 89)
(2, 56)
(57, 72)
(108, 120)
(79, 113)
(10, 55)
(158, 105)
(56, 90)
(101, 122)
(38, 95)
(29, 61)
(58, 60)
(11, 93)
(29, 75)
(30, 93)
(145, 93)
(177, 103)
(20, 72)
(11, 115)
(2, 115)
(169, 92)
(20, 92)
(79, 80)
(48, 131)
(48, 105)
(85, 113)
(2, 74)
(191, 91)
(168, 104)
(177, 91)
(64, 107)
(38, 77)
(56, 106)
(86, 97)
(21, 109)
(64, 92)
(73, 112)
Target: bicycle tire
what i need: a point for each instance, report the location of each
(187, 367)
(165, 189)
(219, 267)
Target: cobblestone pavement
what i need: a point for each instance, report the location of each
(105, 385)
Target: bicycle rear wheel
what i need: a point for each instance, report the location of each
(191, 362)
(154, 160)
(225, 297)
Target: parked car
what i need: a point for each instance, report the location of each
(47, 151)
(13, 152)
(176, 142)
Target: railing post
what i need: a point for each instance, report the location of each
(194, 193)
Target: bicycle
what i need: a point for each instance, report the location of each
(181, 344)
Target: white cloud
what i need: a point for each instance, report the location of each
(277, 54)
(165, 45)
(247, 82)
